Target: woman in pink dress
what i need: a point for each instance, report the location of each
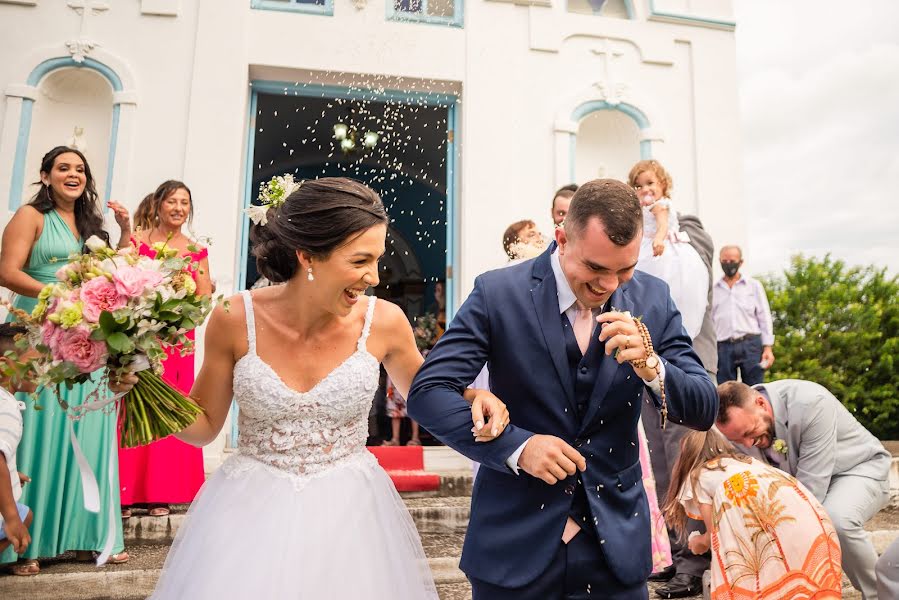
(168, 471)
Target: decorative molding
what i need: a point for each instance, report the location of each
(550, 28)
(20, 109)
(83, 45)
(360, 4)
(609, 89)
(21, 2)
(160, 8)
(26, 68)
(79, 49)
(694, 20)
(18, 90)
(576, 107)
(124, 97)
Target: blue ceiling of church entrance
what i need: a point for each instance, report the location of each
(406, 166)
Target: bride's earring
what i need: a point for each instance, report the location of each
(309, 275)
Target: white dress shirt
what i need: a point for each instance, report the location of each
(741, 310)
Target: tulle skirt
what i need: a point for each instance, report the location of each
(255, 533)
(683, 270)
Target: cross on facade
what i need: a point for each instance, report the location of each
(611, 89)
(82, 45)
(86, 9)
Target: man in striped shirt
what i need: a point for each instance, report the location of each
(743, 323)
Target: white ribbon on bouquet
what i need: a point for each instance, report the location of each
(89, 484)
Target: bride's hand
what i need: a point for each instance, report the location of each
(122, 383)
(489, 415)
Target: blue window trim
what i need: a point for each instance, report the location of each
(688, 19)
(595, 105)
(17, 181)
(456, 20)
(326, 9)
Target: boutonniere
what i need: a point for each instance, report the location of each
(780, 446)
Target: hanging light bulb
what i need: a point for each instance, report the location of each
(370, 139)
(347, 144)
(340, 131)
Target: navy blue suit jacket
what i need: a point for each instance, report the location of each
(511, 321)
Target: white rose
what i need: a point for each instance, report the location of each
(94, 243)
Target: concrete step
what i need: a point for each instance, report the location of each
(64, 578)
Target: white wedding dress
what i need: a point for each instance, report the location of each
(303, 510)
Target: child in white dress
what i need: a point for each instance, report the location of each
(665, 250)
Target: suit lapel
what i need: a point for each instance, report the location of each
(608, 366)
(781, 424)
(546, 303)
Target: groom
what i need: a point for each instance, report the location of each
(561, 511)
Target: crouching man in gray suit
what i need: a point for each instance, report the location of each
(804, 430)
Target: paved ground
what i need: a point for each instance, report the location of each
(442, 548)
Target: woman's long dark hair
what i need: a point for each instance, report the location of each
(88, 218)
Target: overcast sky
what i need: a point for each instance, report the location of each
(819, 96)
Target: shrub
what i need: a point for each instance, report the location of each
(839, 326)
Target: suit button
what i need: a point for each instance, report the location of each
(583, 370)
(569, 489)
(578, 443)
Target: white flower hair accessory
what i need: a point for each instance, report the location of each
(272, 194)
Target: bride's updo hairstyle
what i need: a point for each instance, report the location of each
(319, 217)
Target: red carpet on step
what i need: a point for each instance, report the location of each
(405, 466)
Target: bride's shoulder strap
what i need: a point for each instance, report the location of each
(366, 328)
(251, 320)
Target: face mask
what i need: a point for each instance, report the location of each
(730, 268)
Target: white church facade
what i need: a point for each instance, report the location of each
(465, 115)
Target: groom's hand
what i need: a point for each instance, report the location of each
(549, 458)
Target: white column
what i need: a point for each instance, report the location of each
(119, 190)
(564, 135)
(9, 135)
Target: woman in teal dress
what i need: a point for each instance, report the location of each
(36, 243)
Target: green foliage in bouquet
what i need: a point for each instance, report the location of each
(117, 312)
(839, 326)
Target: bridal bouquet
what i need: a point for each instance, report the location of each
(118, 311)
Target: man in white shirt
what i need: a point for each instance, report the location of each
(743, 323)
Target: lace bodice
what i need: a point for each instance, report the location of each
(303, 434)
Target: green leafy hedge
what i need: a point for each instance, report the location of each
(839, 326)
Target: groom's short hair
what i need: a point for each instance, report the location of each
(614, 203)
(732, 394)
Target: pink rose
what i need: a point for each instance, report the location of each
(100, 294)
(62, 274)
(50, 337)
(77, 347)
(132, 281)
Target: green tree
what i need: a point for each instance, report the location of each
(839, 326)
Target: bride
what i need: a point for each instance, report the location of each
(303, 510)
